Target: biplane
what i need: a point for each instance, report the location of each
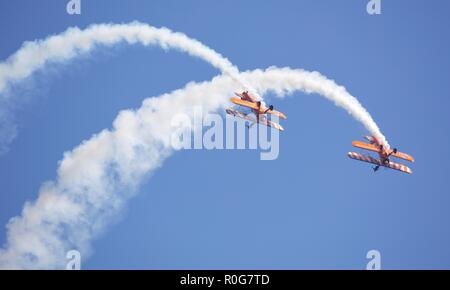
(384, 154)
(258, 108)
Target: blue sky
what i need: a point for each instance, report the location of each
(312, 207)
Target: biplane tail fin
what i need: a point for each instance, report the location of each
(371, 139)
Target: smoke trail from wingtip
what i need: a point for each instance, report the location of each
(35, 55)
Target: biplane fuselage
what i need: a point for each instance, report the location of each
(383, 152)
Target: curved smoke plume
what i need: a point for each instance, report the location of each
(35, 55)
(95, 179)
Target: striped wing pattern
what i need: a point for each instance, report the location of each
(369, 159)
(248, 118)
(244, 103)
(240, 115)
(271, 124)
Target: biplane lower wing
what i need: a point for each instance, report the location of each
(240, 115)
(369, 159)
(374, 148)
(271, 124)
(255, 106)
(251, 119)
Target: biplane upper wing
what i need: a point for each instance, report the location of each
(365, 146)
(244, 103)
(251, 119)
(277, 113)
(369, 159)
(374, 148)
(256, 107)
(403, 156)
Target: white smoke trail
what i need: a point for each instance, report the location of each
(286, 80)
(96, 178)
(35, 55)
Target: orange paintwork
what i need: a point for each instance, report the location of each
(251, 119)
(247, 104)
(366, 146)
(254, 106)
(403, 156)
(258, 108)
(374, 148)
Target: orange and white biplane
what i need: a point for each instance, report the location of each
(258, 108)
(383, 153)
